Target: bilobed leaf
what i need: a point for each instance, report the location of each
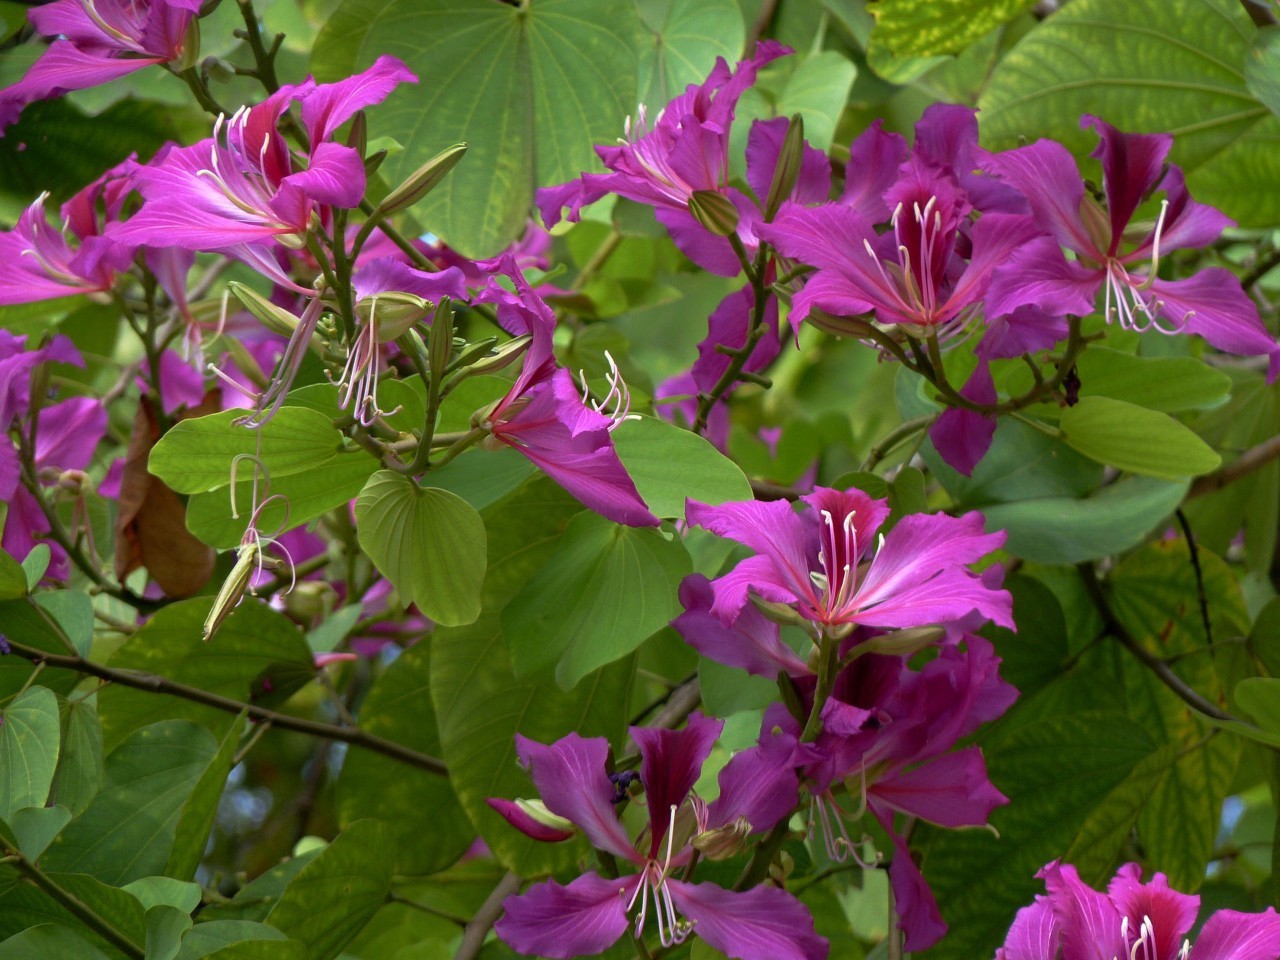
(926, 28)
(29, 739)
(430, 828)
(428, 542)
(1189, 81)
(196, 454)
(72, 611)
(523, 531)
(36, 827)
(818, 90)
(480, 706)
(1075, 529)
(255, 642)
(129, 829)
(303, 497)
(685, 44)
(35, 564)
(531, 89)
(335, 894)
(669, 464)
(1056, 773)
(1133, 438)
(605, 589)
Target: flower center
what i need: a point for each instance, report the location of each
(838, 554)
(671, 928)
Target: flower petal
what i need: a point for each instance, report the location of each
(670, 762)
(1132, 163)
(1046, 174)
(1089, 921)
(530, 827)
(1034, 934)
(763, 923)
(1230, 935)
(583, 919)
(1172, 913)
(752, 643)
(951, 790)
(330, 105)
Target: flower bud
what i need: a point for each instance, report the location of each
(395, 313)
(905, 643)
(232, 590)
(358, 138)
(310, 599)
(787, 172)
(190, 47)
(421, 182)
(537, 810)
(440, 345)
(505, 355)
(780, 613)
(274, 318)
(723, 842)
(714, 211)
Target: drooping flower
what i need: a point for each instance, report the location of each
(757, 789)
(545, 417)
(99, 41)
(1147, 921)
(825, 562)
(1211, 303)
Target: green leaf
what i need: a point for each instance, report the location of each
(129, 829)
(27, 624)
(1259, 697)
(165, 891)
(530, 88)
(13, 578)
(1187, 80)
(1262, 67)
(36, 827)
(685, 44)
(429, 826)
(29, 738)
(335, 894)
(605, 589)
(480, 706)
(1075, 529)
(256, 899)
(26, 906)
(1168, 384)
(35, 564)
(196, 454)
(1057, 773)
(524, 529)
(669, 464)
(254, 642)
(818, 90)
(262, 950)
(927, 28)
(1133, 438)
(73, 613)
(165, 927)
(484, 477)
(428, 542)
(47, 941)
(206, 939)
(303, 497)
(196, 818)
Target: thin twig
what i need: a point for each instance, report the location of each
(1255, 458)
(151, 683)
(473, 936)
(1195, 566)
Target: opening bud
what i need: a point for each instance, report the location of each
(505, 355)
(421, 182)
(787, 172)
(310, 600)
(537, 810)
(394, 312)
(714, 211)
(190, 47)
(723, 842)
(779, 613)
(905, 643)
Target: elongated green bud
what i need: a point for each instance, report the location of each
(714, 211)
(787, 172)
(358, 138)
(394, 312)
(274, 318)
(232, 590)
(440, 345)
(906, 642)
(421, 182)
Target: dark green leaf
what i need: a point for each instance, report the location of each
(73, 613)
(255, 900)
(480, 706)
(530, 88)
(926, 28)
(154, 770)
(196, 818)
(335, 894)
(1259, 697)
(29, 739)
(685, 44)
(27, 906)
(47, 941)
(1262, 67)
(430, 828)
(13, 578)
(36, 827)
(428, 542)
(205, 939)
(605, 589)
(1133, 438)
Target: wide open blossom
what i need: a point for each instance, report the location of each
(1145, 921)
(1105, 257)
(685, 151)
(825, 562)
(241, 190)
(757, 789)
(545, 417)
(99, 41)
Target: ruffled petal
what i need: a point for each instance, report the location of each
(1229, 935)
(583, 919)
(1034, 934)
(330, 105)
(752, 643)
(1172, 913)
(763, 923)
(1089, 921)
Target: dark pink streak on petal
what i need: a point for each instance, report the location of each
(670, 762)
(583, 919)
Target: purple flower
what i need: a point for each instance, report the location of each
(757, 789)
(98, 41)
(825, 562)
(545, 417)
(1132, 919)
(1211, 303)
(241, 189)
(686, 150)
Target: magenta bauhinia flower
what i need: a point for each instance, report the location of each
(831, 564)
(1146, 921)
(99, 41)
(241, 190)
(684, 151)
(1106, 258)
(546, 418)
(757, 789)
